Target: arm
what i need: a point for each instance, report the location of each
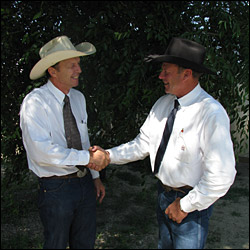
(44, 146)
(131, 151)
(218, 164)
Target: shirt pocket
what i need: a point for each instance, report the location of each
(83, 129)
(187, 148)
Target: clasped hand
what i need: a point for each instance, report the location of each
(99, 158)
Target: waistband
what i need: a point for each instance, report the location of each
(78, 174)
(182, 189)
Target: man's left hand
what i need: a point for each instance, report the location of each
(100, 189)
(174, 211)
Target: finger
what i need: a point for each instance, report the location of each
(97, 194)
(97, 168)
(166, 211)
(178, 221)
(93, 148)
(90, 165)
(102, 196)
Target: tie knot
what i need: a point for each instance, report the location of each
(66, 99)
(176, 104)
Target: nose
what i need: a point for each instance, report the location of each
(78, 69)
(162, 75)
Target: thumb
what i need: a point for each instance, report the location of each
(167, 210)
(93, 148)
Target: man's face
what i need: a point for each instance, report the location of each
(67, 73)
(171, 78)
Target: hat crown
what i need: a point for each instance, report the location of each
(56, 50)
(61, 43)
(186, 49)
(185, 53)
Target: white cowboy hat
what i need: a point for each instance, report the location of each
(56, 50)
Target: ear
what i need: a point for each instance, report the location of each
(52, 71)
(187, 74)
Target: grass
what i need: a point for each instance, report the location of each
(18, 201)
(236, 214)
(235, 193)
(126, 219)
(22, 241)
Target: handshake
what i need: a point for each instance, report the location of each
(99, 158)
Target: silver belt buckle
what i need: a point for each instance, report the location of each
(81, 173)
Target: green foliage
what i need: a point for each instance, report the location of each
(119, 87)
(22, 241)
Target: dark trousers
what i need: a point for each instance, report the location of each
(68, 212)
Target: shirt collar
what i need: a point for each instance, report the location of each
(59, 95)
(190, 98)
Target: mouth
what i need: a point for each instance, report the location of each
(75, 78)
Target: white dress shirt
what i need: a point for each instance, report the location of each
(199, 152)
(41, 121)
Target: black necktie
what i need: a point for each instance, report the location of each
(71, 130)
(165, 137)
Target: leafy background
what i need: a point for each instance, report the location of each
(119, 87)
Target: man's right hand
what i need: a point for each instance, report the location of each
(99, 158)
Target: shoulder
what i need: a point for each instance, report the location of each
(37, 95)
(77, 94)
(77, 98)
(210, 102)
(211, 106)
(34, 102)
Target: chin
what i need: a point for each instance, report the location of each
(75, 84)
(167, 90)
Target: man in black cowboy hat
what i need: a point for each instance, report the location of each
(187, 136)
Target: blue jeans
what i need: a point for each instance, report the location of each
(67, 210)
(191, 233)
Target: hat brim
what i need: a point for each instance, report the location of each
(181, 62)
(41, 66)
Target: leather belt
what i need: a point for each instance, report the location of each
(182, 189)
(78, 174)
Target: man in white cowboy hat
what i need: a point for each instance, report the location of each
(194, 163)
(59, 155)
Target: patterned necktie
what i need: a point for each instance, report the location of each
(165, 137)
(71, 130)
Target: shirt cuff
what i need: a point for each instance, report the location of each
(84, 157)
(186, 205)
(111, 155)
(95, 174)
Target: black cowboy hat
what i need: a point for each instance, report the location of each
(185, 53)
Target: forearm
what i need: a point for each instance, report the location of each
(132, 151)
(44, 152)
